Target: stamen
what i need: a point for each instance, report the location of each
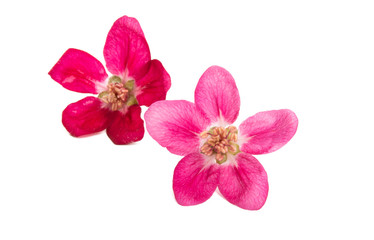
(220, 141)
(118, 94)
(204, 134)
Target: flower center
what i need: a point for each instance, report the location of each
(220, 141)
(118, 94)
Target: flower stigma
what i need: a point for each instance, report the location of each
(118, 93)
(220, 141)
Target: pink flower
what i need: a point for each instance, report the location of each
(136, 80)
(217, 154)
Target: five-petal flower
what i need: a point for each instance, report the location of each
(136, 80)
(216, 154)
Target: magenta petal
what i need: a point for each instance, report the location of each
(217, 96)
(126, 49)
(244, 185)
(78, 71)
(126, 128)
(85, 117)
(193, 182)
(268, 131)
(176, 125)
(154, 85)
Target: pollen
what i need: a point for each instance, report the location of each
(220, 141)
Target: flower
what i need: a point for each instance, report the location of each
(216, 153)
(136, 80)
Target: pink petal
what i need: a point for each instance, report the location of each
(244, 185)
(154, 85)
(126, 128)
(85, 117)
(176, 125)
(78, 71)
(193, 182)
(268, 131)
(126, 49)
(217, 96)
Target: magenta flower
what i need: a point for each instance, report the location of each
(217, 154)
(136, 80)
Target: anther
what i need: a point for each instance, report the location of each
(116, 95)
(220, 141)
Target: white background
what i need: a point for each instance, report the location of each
(314, 57)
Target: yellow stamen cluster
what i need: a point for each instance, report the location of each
(116, 95)
(220, 141)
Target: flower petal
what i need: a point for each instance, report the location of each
(193, 182)
(268, 131)
(126, 128)
(78, 71)
(176, 125)
(217, 96)
(244, 185)
(154, 85)
(85, 117)
(126, 51)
